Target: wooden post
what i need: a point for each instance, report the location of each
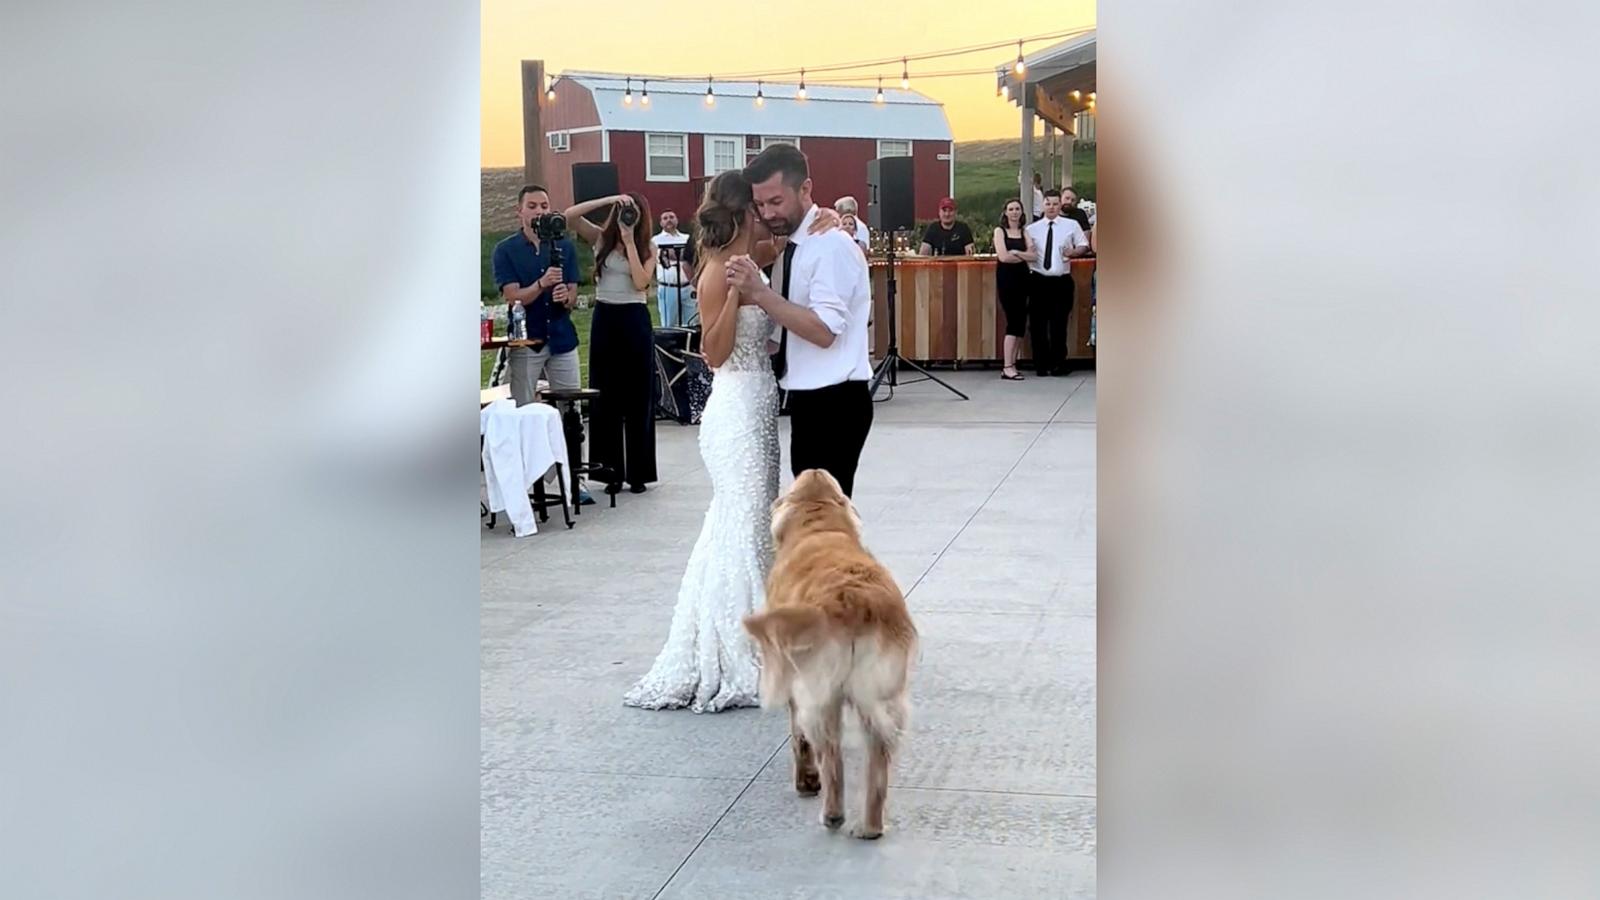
(1050, 156)
(1026, 174)
(532, 121)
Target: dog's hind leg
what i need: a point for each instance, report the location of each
(830, 759)
(806, 780)
(883, 729)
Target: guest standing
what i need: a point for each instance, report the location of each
(846, 206)
(622, 421)
(1050, 291)
(673, 263)
(1014, 250)
(1069, 208)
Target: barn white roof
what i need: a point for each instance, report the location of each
(828, 110)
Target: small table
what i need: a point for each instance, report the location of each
(520, 446)
(572, 426)
(501, 342)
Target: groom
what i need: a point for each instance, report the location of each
(821, 297)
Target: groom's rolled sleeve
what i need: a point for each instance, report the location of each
(827, 288)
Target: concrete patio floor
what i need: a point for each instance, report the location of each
(985, 512)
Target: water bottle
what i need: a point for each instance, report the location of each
(518, 326)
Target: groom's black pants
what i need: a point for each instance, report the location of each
(827, 429)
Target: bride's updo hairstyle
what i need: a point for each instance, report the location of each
(722, 213)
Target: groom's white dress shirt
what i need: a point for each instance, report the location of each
(830, 278)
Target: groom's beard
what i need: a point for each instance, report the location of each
(779, 227)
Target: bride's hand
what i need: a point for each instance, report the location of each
(826, 220)
(744, 276)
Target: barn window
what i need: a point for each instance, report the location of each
(887, 148)
(758, 143)
(666, 157)
(722, 153)
(560, 141)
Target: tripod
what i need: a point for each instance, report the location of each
(892, 360)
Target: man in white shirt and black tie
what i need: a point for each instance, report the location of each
(821, 297)
(1059, 239)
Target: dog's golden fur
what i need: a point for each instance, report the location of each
(835, 631)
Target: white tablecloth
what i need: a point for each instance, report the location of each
(520, 445)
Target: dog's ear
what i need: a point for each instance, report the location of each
(790, 629)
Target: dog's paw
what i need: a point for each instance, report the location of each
(808, 785)
(832, 821)
(861, 831)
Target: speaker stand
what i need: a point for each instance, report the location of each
(889, 367)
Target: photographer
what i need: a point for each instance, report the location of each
(525, 272)
(622, 420)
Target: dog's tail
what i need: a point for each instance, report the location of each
(792, 628)
(787, 635)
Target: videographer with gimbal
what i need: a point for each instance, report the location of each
(537, 268)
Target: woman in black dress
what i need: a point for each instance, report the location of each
(1014, 250)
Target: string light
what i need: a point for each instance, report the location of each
(880, 89)
(760, 100)
(710, 97)
(802, 84)
(550, 90)
(644, 99)
(905, 75)
(1077, 95)
(627, 98)
(1091, 96)
(1005, 92)
(1021, 66)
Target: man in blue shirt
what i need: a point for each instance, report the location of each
(524, 275)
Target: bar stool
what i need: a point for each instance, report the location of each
(570, 401)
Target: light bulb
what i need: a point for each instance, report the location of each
(1021, 66)
(761, 99)
(627, 98)
(644, 98)
(905, 75)
(802, 84)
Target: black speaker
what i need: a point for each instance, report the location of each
(591, 181)
(891, 198)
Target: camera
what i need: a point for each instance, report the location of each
(628, 215)
(550, 227)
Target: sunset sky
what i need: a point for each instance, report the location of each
(679, 39)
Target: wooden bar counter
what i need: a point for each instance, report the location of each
(949, 313)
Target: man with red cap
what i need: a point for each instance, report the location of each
(947, 237)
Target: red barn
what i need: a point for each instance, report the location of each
(668, 147)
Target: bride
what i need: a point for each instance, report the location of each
(708, 663)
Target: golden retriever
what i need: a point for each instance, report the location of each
(835, 631)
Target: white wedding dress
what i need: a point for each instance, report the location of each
(708, 663)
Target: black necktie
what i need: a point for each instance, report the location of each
(780, 360)
(1049, 245)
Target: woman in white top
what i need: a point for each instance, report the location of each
(622, 421)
